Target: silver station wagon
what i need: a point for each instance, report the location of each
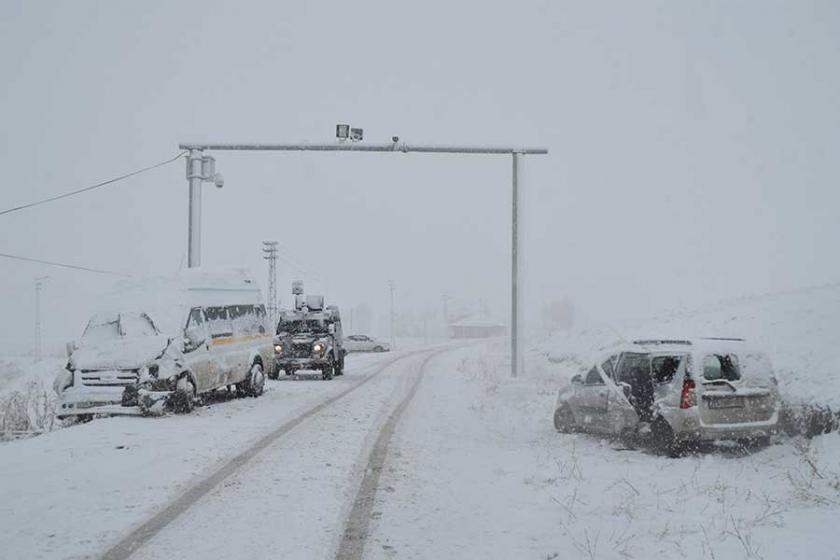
(675, 393)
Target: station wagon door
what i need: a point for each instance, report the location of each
(620, 414)
(590, 401)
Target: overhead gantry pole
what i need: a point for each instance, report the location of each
(201, 168)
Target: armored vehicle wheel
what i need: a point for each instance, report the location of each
(327, 371)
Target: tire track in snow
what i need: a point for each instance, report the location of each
(127, 545)
(353, 541)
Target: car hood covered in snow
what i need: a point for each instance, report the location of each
(124, 353)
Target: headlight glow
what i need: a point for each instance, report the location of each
(318, 347)
(278, 348)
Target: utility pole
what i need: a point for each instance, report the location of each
(270, 254)
(38, 283)
(391, 287)
(343, 132)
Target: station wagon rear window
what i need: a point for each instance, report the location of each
(722, 367)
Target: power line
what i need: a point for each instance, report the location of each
(63, 265)
(92, 187)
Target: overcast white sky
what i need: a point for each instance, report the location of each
(693, 147)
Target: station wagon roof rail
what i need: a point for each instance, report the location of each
(648, 342)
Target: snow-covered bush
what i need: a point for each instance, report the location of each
(28, 411)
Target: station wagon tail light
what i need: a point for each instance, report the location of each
(687, 399)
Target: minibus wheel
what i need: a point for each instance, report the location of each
(255, 382)
(183, 399)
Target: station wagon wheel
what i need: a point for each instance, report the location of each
(663, 438)
(564, 422)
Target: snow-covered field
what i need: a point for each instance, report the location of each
(485, 476)
(474, 468)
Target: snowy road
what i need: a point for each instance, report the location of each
(77, 492)
(290, 502)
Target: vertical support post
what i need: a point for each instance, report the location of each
(194, 234)
(38, 318)
(445, 298)
(514, 271)
(391, 286)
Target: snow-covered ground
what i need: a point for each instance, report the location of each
(474, 468)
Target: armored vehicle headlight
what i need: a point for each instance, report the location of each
(318, 347)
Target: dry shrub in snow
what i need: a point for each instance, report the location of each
(27, 412)
(813, 482)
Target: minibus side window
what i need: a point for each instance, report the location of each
(245, 319)
(219, 321)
